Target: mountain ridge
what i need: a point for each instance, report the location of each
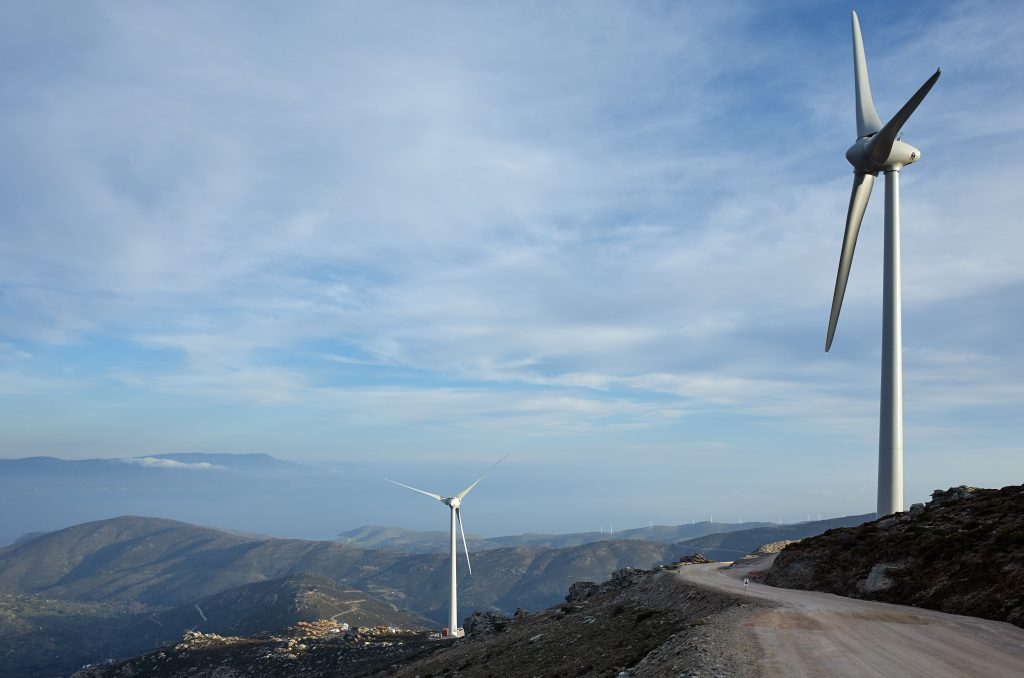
(431, 541)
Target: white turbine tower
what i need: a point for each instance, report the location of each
(877, 149)
(455, 504)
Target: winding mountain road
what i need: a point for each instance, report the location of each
(821, 634)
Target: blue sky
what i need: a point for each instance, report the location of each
(599, 236)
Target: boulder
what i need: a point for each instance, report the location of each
(953, 494)
(878, 579)
(485, 623)
(581, 590)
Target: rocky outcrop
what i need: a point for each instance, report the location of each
(953, 494)
(485, 623)
(962, 552)
(774, 547)
(624, 578)
(581, 590)
(319, 648)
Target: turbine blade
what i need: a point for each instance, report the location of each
(880, 146)
(409, 487)
(868, 121)
(462, 494)
(859, 196)
(458, 514)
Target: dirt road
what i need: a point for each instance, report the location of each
(820, 634)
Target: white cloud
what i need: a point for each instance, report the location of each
(154, 462)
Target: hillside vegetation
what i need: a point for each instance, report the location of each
(649, 623)
(963, 553)
(164, 563)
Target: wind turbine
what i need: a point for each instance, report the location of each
(455, 504)
(878, 149)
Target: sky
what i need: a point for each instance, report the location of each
(600, 237)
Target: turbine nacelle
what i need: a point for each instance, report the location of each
(454, 502)
(901, 155)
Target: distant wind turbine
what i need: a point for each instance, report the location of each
(455, 504)
(878, 149)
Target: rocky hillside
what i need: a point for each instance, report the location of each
(263, 606)
(43, 637)
(963, 552)
(648, 623)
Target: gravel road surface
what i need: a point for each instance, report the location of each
(821, 634)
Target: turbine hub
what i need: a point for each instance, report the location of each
(901, 155)
(454, 502)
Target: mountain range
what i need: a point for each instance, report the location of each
(118, 586)
(411, 541)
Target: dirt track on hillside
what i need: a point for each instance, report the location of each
(819, 634)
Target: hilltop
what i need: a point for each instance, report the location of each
(963, 552)
(250, 492)
(263, 606)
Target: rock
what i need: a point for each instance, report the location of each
(916, 509)
(799, 573)
(197, 640)
(878, 579)
(775, 546)
(581, 590)
(621, 579)
(484, 623)
(953, 494)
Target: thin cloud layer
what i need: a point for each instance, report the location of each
(156, 462)
(441, 230)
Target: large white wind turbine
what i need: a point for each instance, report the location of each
(454, 503)
(877, 149)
